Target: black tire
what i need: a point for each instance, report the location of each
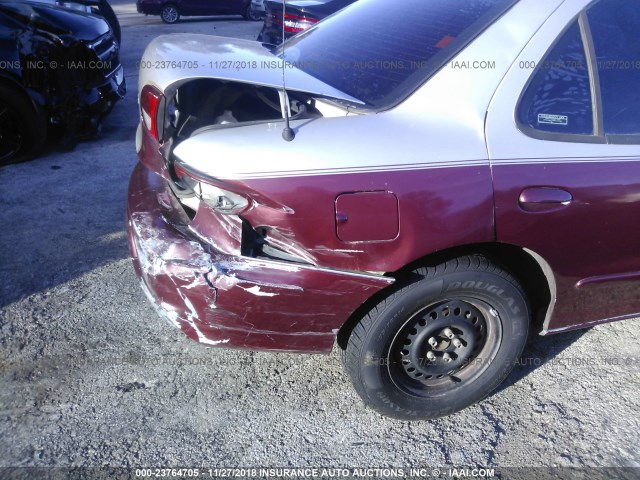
(169, 13)
(395, 355)
(23, 129)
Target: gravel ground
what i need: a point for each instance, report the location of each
(91, 376)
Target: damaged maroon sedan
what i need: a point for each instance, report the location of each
(422, 199)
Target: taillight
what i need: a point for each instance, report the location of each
(222, 201)
(151, 100)
(294, 23)
(219, 199)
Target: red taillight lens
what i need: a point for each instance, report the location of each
(294, 23)
(150, 102)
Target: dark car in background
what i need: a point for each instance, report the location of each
(60, 75)
(96, 7)
(298, 16)
(170, 11)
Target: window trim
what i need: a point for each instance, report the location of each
(594, 75)
(623, 139)
(598, 135)
(556, 136)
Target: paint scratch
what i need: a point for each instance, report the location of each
(256, 291)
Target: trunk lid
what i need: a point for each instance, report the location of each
(170, 60)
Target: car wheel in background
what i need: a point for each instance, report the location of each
(441, 343)
(22, 129)
(169, 13)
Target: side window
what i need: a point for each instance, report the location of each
(615, 29)
(558, 98)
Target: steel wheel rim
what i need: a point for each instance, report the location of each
(444, 346)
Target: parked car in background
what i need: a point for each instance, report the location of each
(300, 15)
(170, 11)
(60, 74)
(422, 197)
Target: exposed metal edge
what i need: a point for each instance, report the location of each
(231, 259)
(229, 264)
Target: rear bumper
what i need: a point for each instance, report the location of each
(234, 301)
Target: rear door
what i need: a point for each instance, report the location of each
(563, 134)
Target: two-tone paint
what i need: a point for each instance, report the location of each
(357, 198)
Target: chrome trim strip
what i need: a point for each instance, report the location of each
(594, 76)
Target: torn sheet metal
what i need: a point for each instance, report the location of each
(228, 300)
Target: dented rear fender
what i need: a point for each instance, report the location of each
(231, 300)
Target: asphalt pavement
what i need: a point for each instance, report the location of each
(90, 376)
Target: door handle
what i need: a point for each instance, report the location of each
(544, 199)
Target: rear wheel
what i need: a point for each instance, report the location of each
(22, 129)
(441, 343)
(169, 13)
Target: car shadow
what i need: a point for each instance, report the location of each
(63, 214)
(539, 351)
(226, 18)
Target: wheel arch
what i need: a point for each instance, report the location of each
(530, 269)
(28, 124)
(14, 83)
(11, 82)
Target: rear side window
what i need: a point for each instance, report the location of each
(563, 99)
(615, 28)
(558, 99)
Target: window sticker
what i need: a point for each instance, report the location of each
(558, 97)
(550, 119)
